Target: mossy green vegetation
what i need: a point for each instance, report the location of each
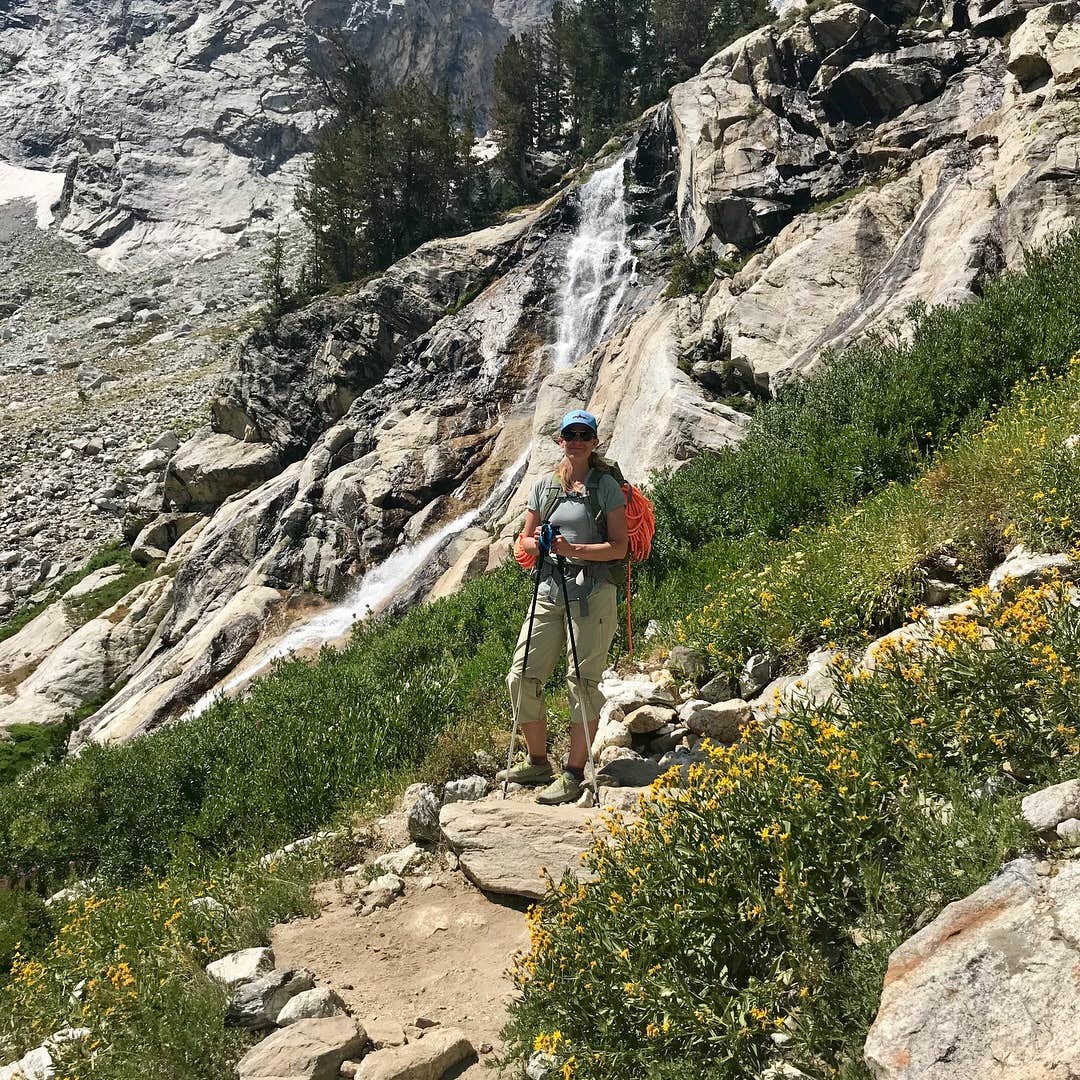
(92, 604)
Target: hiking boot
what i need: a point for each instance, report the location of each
(565, 788)
(527, 774)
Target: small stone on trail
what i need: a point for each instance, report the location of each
(381, 892)
(467, 789)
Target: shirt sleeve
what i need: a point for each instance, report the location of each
(534, 497)
(610, 494)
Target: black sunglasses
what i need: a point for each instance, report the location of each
(581, 434)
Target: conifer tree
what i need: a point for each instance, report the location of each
(274, 284)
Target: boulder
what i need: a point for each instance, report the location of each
(813, 687)
(989, 988)
(429, 1058)
(241, 967)
(311, 1005)
(503, 845)
(723, 722)
(306, 1050)
(648, 718)
(616, 753)
(755, 675)
(686, 663)
(611, 732)
(1045, 810)
(155, 539)
(256, 1004)
(718, 688)
(1069, 832)
(422, 813)
(1022, 568)
(210, 467)
(630, 772)
(632, 692)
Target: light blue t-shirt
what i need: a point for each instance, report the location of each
(573, 513)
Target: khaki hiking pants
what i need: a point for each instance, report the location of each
(593, 634)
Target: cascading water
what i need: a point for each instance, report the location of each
(372, 592)
(599, 267)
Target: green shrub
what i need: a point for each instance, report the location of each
(762, 892)
(253, 773)
(857, 574)
(870, 414)
(691, 272)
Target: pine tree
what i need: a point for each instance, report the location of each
(276, 293)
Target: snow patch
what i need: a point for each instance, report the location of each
(43, 189)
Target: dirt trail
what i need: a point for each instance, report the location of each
(440, 952)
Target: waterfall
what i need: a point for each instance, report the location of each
(371, 593)
(599, 267)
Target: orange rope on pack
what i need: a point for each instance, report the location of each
(640, 523)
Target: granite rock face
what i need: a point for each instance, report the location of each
(180, 134)
(873, 165)
(989, 988)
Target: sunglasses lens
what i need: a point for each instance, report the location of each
(582, 436)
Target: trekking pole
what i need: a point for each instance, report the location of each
(560, 562)
(525, 660)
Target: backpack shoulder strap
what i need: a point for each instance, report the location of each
(552, 493)
(592, 487)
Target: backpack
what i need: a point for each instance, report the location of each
(640, 524)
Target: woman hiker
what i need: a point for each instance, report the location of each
(587, 540)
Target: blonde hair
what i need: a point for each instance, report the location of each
(563, 471)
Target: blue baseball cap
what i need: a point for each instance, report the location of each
(579, 416)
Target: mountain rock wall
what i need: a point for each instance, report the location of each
(863, 166)
(181, 133)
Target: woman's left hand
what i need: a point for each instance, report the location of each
(561, 546)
